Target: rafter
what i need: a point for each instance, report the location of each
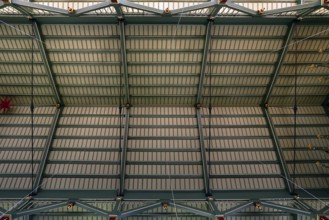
(204, 61)
(124, 155)
(193, 210)
(124, 59)
(140, 7)
(203, 154)
(311, 6)
(46, 150)
(93, 209)
(287, 208)
(45, 61)
(39, 6)
(278, 150)
(279, 63)
(39, 209)
(138, 210)
(238, 208)
(194, 7)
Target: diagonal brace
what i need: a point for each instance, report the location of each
(204, 61)
(39, 209)
(192, 210)
(279, 63)
(93, 209)
(46, 150)
(46, 63)
(237, 208)
(124, 155)
(203, 154)
(278, 151)
(124, 59)
(286, 208)
(139, 210)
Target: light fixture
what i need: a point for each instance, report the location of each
(113, 217)
(70, 205)
(258, 205)
(323, 78)
(313, 66)
(322, 50)
(71, 10)
(165, 205)
(219, 217)
(261, 11)
(324, 165)
(167, 11)
(320, 136)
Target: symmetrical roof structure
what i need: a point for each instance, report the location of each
(122, 91)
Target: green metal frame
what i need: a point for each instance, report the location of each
(278, 150)
(46, 151)
(205, 170)
(124, 62)
(123, 160)
(280, 61)
(204, 61)
(45, 59)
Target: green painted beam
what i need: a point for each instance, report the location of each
(204, 61)
(138, 210)
(313, 6)
(278, 150)
(39, 209)
(279, 63)
(238, 208)
(193, 210)
(123, 161)
(287, 209)
(124, 62)
(96, 210)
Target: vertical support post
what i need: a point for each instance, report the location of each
(203, 154)
(279, 63)
(124, 154)
(46, 150)
(45, 60)
(124, 59)
(204, 61)
(278, 150)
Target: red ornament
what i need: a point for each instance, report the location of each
(5, 104)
